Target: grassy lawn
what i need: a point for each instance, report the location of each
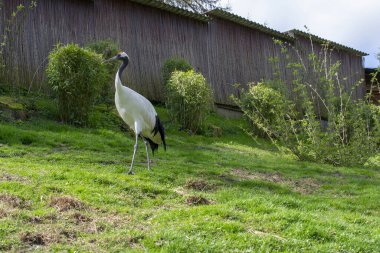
(65, 188)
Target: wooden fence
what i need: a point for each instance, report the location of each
(226, 48)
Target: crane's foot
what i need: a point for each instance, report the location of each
(130, 172)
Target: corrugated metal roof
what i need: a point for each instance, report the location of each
(172, 9)
(248, 23)
(320, 40)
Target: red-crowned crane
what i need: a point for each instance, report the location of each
(138, 113)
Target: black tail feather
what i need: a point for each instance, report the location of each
(158, 128)
(153, 145)
(161, 130)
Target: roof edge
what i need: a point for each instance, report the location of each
(296, 32)
(173, 9)
(220, 13)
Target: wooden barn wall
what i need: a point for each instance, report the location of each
(35, 34)
(2, 18)
(238, 54)
(149, 36)
(226, 53)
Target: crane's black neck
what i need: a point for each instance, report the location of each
(123, 66)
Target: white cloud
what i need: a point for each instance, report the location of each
(350, 22)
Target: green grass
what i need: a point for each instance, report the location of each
(65, 188)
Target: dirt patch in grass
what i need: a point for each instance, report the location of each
(134, 242)
(46, 219)
(306, 185)
(81, 218)
(70, 235)
(13, 201)
(3, 213)
(12, 177)
(35, 219)
(303, 185)
(98, 221)
(34, 238)
(199, 185)
(45, 235)
(66, 203)
(114, 219)
(197, 201)
(51, 217)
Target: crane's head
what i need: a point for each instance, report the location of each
(122, 56)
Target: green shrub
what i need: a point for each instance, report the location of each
(349, 137)
(189, 99)
(76, 75)
(173, 64)
(107, 48)
(320, 122)
(263, 106)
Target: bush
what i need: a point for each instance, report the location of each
(173, 64)
(320, 122)
(350, 136)
(76, 75)
(107, 48)
(263, 106)
(189, 99)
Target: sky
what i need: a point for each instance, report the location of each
(353, 23)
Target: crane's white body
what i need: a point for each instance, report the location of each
(136, 111)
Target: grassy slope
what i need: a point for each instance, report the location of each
(64, 188)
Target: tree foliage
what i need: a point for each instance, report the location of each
(199, 6)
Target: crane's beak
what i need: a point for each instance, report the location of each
(110, 59)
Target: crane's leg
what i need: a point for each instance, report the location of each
(147, 151)
(130, 172)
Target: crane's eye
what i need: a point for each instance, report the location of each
(119, 55)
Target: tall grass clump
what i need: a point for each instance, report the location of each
(188, 99)
(320, 121)
(76, 75)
